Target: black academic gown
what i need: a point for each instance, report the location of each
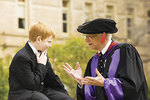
(129, 72)
(27, 76)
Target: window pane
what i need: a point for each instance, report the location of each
(21, 0)
(64, 16)
(130, 11)
(148, 14)
(88, 11)
(108, 16)
(148, 26)
(65, 27)
(109, 9)
(21, 23)
(129, 22)
(65, 3)
(149, 23)
(129, 34)
(110, 12)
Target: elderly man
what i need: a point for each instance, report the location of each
(115, 72)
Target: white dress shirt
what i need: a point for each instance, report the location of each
(106, 47)
(32, 47)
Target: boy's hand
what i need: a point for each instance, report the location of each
(42, 58)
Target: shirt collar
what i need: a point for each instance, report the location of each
(32, 47)
(106, 47)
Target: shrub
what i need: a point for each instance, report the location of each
(4, 87)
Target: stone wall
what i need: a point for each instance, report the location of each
(50, 11)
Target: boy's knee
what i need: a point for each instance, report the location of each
(39, 96)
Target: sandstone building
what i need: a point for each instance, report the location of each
(132, 17)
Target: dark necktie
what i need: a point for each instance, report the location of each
(101, 63)
(39, 52)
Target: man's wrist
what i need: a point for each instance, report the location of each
(80, 85)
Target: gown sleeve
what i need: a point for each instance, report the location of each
(112, 85)
(80, 91)
(131, 75)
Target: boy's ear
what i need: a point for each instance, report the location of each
(38, 39)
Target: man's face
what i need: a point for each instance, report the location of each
(45, 44)
(93, 40)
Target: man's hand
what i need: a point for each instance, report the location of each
(42, 58)
(76, 74)
(96, 81)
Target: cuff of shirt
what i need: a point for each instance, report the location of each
(80, 86)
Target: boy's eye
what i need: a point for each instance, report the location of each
(49, 41)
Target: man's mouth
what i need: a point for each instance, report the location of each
(90, 43)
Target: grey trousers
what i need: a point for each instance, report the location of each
(50, 94)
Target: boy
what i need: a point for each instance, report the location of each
(31, 76)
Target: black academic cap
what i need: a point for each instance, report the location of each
(98, 26)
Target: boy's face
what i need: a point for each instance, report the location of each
(45, 44)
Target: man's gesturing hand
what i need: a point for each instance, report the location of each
(96, 81)
(76, 74)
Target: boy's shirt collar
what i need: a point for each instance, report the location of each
(32, 47)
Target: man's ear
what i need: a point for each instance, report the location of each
(38, 39)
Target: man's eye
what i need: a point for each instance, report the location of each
(88, 36)
(91, 36)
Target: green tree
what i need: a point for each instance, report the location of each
(4, 87)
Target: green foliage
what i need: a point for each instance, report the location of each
(4, 87)
(75, 50)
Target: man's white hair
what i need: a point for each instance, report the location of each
(109, 36)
